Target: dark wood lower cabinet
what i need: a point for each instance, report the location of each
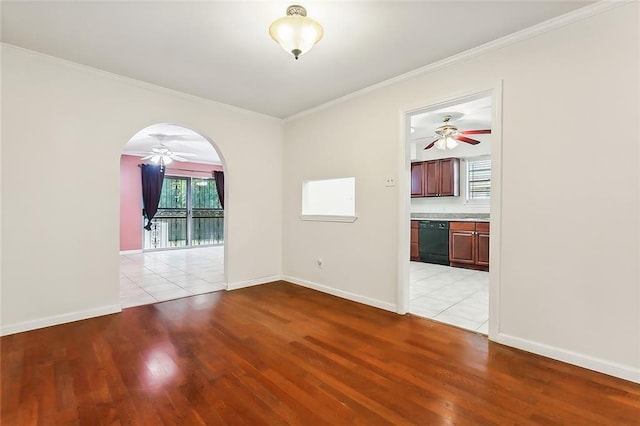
(461, 242)
(482, 244)
(469, 245)
(415, 253)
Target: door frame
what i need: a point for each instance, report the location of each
(493, 89)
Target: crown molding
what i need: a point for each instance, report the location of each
(133, 81)
(538, 29)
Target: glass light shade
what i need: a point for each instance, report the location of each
(446, 143)
(451, 143)
(295, 32)
(166, 159)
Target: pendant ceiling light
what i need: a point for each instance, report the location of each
(295, 32)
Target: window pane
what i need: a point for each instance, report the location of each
(174, 193)
(208, 215)
(205, 194)
(479, 180)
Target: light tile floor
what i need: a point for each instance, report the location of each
(157, 276)
(451, 295)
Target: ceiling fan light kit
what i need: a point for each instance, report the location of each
(446, 143)
(161, 154)
(296, 33)
(449, 136)
(163, 160)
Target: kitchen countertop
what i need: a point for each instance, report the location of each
(452, 217)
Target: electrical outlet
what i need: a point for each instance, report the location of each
(389, 182)
(319, 262)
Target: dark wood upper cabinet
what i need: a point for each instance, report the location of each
(416, 180)
(431, 178)
(441, 178)
(449, 177)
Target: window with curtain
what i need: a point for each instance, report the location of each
(189, 214)
(479, 180)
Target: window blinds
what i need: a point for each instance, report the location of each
(479, 174)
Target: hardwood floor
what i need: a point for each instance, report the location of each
(283, 354)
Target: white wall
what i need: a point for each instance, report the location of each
(63, 129)
(569, 247)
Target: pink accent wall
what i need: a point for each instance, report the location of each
(130, 203)
(131, 195)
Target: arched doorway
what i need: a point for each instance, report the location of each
(179, 252)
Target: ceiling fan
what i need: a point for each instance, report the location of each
(448, 135)
(161, 154)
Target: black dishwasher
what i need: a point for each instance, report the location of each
(433, 241)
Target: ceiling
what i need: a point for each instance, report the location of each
(221, 50)
(469, 114)
(177, 138)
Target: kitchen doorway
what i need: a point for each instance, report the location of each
(449, 150)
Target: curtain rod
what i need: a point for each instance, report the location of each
(184, 170)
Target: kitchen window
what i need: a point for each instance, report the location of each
(479, 180)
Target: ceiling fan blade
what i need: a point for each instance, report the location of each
(177, 157)
(467, 140)
(475, 132)
(431, 144)
(185, 154)
(141, 153)
(147, 157)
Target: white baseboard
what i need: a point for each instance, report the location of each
(570, 357)
(343, 294)
(130, 251)
(251, 283)
(59, 319)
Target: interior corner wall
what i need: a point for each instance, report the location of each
(131, 195)
(60, 239)
(569, 211)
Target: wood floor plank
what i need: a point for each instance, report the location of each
(282, 354)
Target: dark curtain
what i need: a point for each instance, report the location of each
(218, 176)
(152, 179)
